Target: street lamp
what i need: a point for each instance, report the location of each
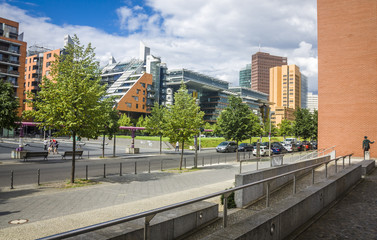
(269, 136)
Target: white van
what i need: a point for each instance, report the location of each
(291, 140)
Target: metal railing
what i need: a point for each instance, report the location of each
(148, 215)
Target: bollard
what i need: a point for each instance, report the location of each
(135, 168)
(257, 164)
(120, 169)
(104, 170)
(184, 161)
(149, 166)
(161, 165)
(39, 176)
(203, 161)
(11, 179)
(240, 166)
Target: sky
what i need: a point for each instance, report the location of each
(213, 37)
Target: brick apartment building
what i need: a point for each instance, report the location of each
(347, 74)
(260, 70)
(12, 58)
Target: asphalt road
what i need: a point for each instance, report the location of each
(56, 169)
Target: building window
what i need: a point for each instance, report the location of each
(129, 105)
(143, 99)
(143, 92)
(48, 55)
(136, 98)
(143, 106)
(48, 64)
(137, 105)
(137, 91)
(26, 61)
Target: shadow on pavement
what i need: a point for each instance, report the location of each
(142, 177)
(5, 195)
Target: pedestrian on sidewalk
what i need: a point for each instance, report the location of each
(177, 146)
(56, 145)
(45, 143)
(366, 145)
(50, 147)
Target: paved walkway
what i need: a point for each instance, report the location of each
(50, 210)
(353, 217)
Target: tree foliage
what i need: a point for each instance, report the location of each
(183, 119)
(124, 121)
(303, 126)
(72, 100)
(237, 122)
(140, 122)
(286, 128)
(155, 123)
(8, 106)
(315, 125)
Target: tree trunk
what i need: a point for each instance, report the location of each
(160, 144)
(196, 152)
(73, 157)
(183, 147)
(114, 136)
(103, 145)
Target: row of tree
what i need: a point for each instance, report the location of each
(73, 102)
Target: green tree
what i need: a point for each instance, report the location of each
(303, 126)
(235, 121)
(140, 122)
(315, 125)
(8, 106)
(124, 121)
(183, 119)
(70, 101)
(110, 126)
(156, 121)
(285, 128)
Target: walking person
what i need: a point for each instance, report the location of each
(50, 147)
(45, 143)
(56, 145)
(366, 146)
(177, 146)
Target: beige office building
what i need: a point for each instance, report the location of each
(285, 92)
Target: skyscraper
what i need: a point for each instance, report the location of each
(245, 77)
(285, 92)
(260, 70)
(12, 58)
(347, 73)
(312, 101)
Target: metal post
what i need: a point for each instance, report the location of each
(225, 212)
(326, 170)
(313, 176)
(267, 194)
(146, 227)
(203, 161)
(185, 162)
(86, 172)
(39, 176)
(294, 184)
(343, 161)
(120, 169)
(336, 165)
(149, 166)
(240, 167)
(104, 170)
(135, 168)
(257, 164)
(11, 179)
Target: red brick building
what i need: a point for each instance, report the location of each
(347, 74)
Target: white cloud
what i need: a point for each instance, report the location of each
(214, 37)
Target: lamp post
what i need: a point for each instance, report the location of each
(269, 136)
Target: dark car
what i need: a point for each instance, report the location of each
(314, 145)
(244, 147)
(227, 146)
(278, 148)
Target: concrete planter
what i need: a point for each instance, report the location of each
(132, 150)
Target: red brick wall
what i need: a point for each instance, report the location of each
(347, 74)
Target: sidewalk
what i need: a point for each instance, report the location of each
(50, 211)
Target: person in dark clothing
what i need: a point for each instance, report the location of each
(366, 145)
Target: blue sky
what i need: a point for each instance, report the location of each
(213, 37)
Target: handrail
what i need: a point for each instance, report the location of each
(151, 213)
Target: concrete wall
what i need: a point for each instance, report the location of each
(166, 225)
(279, 221)
(248, 195)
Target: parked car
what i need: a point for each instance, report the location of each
(227, 146)
(291, 147)
(306, 145)
(244, 147)
(263, 151)
(278, 148)
(314, 145)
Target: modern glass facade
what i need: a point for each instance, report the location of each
(304, 91)
(245, 77)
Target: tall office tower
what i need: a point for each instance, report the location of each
(312, 101)
(304, 91)
(285, 92)
(12, 58)
(347, 73)
(158, 71)
(245, 77)
(260, 70)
